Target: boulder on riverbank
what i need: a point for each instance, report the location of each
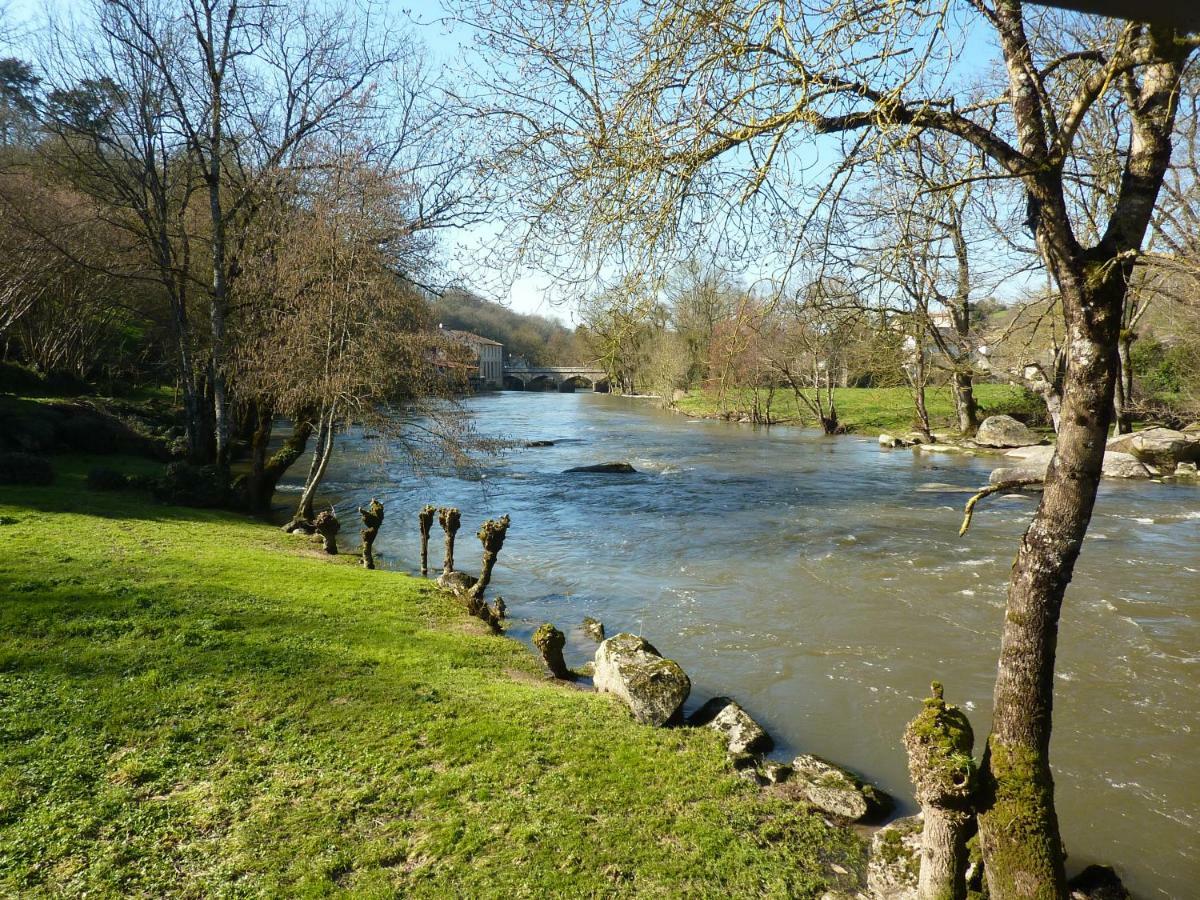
(653, 688)
(1004, 431)
(742, 734)
(1032, 462)
(608, 468)
(835, 790)
(1162, 448)
(894, 864)
(456, 581)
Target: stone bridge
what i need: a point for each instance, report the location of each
(564, 379)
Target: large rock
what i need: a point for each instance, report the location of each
(742, 733)
(835, 790)
(1097, 883)
(1004, 431)
(895, 861)
(456, 581)
(608, 468)
(1032, 462)
(652, 687)
(1163, 448)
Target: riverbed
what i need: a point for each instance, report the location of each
(820, 581)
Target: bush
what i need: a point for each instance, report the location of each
(102, 479)
(25, 468)
(184, 484)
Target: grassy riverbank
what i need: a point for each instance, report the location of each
(867, 409)
(196, 704)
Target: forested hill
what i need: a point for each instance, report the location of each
(541, 340)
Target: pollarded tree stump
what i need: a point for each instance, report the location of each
(491, 535)
(425, 520)
(550, 642)
(450, 519)
(326, 524)
(939, 742)
(372, 518)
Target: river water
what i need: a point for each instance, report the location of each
(820, 581)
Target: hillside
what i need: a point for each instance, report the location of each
(541, 340)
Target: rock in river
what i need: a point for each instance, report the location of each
(608, 468)
(835, 790)
(652, 687)
(1163, 448)
(742, 733)
(1004, 431)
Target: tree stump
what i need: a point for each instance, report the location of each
(425, 518)
(939, 742)
(449, 518)
(327, 526)
(372, 518)
(550, 642)
(491, 535)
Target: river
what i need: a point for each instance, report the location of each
(821, 582)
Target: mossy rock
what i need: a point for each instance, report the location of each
(894, 864)
(653, 688)
(837, 791)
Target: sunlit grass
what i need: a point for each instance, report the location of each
(868, 409)
(195, 704)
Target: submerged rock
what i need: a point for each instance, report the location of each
(1004, 431)
(539, 443)
(894, 864)
(653, 688)
(742, 733)
(835, 790)
(1097, 883)
(608, 468)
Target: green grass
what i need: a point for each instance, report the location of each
(195, 704)
(870, 409)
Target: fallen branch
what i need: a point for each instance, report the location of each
(969, 509)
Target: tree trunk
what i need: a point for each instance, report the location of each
(425, 521)
(1123, 396)
(964, 402)
(1018, 824)
(266, 473)
(372, 519)
(450, 519)
(316, 471)
(491, 535)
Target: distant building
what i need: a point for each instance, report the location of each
(487, 356)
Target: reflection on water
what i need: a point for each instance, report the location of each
(822, 583)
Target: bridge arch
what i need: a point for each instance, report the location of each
(542, 383)
(513, 383)
(569, 384)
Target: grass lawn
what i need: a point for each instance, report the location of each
(870, 409)
(194, 704)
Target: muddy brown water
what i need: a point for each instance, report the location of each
(821, 582)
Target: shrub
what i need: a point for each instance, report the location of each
(103, 479)
(184, 484)
(25, 468)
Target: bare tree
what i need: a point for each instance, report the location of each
(644, 120)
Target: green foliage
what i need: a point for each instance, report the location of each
(103, 478)
(203, 487)
(25, 468)
(1164, 370)
(196, 704)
